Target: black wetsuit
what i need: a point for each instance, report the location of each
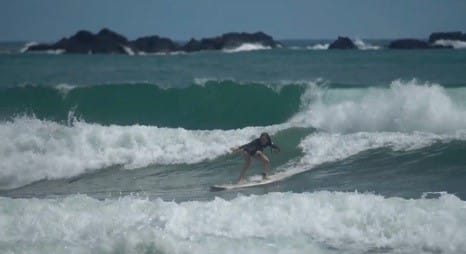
(256, 145)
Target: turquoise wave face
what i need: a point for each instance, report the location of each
(216, 105)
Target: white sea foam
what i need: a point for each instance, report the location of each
(247, 47)
(28, 45)
(320, 222)
(33, 149)
(364, 46)
(275, 86)
(453, 43)
(203, 81)
(64, 88)
(319, 46)
(51, 51)
(128, 50)
(55, 51)
(404, 106)
(171, 53)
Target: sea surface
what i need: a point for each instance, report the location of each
(117, 153)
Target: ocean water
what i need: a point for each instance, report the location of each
(116, 154)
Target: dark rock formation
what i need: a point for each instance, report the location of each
(84, 42)
(230, 40)
(409, 44)
(453, 36)
(154, 44)
(109, 42)
(192, 45)
(342, 43)
(413, 44)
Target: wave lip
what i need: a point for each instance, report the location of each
(272, 223)
(321, 147)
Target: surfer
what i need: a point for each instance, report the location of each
(254, 149)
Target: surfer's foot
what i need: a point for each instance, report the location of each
(264, 176)
(242, 180)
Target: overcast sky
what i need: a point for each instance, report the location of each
(49, 20)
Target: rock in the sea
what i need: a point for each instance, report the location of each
(192, 45)
(109, 42)
(154, 44)
(409, 44)
(85, 42)
(451, 36)
(342, 43)
(230, 40)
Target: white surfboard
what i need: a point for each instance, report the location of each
(251, 183)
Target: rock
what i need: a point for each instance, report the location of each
(192, 45)
(409, 44)
(230, 40)
(414, 44)
(342, 43)
(84, 42)
(233, 40)
(154, 44)
(39, 47)
(451, 36)
(109, 42)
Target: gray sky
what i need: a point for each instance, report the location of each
(49, 20)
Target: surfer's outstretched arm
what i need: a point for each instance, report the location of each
(275, 148)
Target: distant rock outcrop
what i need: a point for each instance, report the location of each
(432, 43)
(154, 44)
(230, 40)
(342, 43)
(451, 36)
(84, 42)
(414, 44)
(109, 42)
(409, 44)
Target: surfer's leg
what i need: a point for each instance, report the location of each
(247, 162)
(265, 163)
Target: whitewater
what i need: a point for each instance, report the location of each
(319, 222)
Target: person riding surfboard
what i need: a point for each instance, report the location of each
(255, 149)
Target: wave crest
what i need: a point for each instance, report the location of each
(404, 106)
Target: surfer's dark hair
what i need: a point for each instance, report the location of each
(267, 136)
